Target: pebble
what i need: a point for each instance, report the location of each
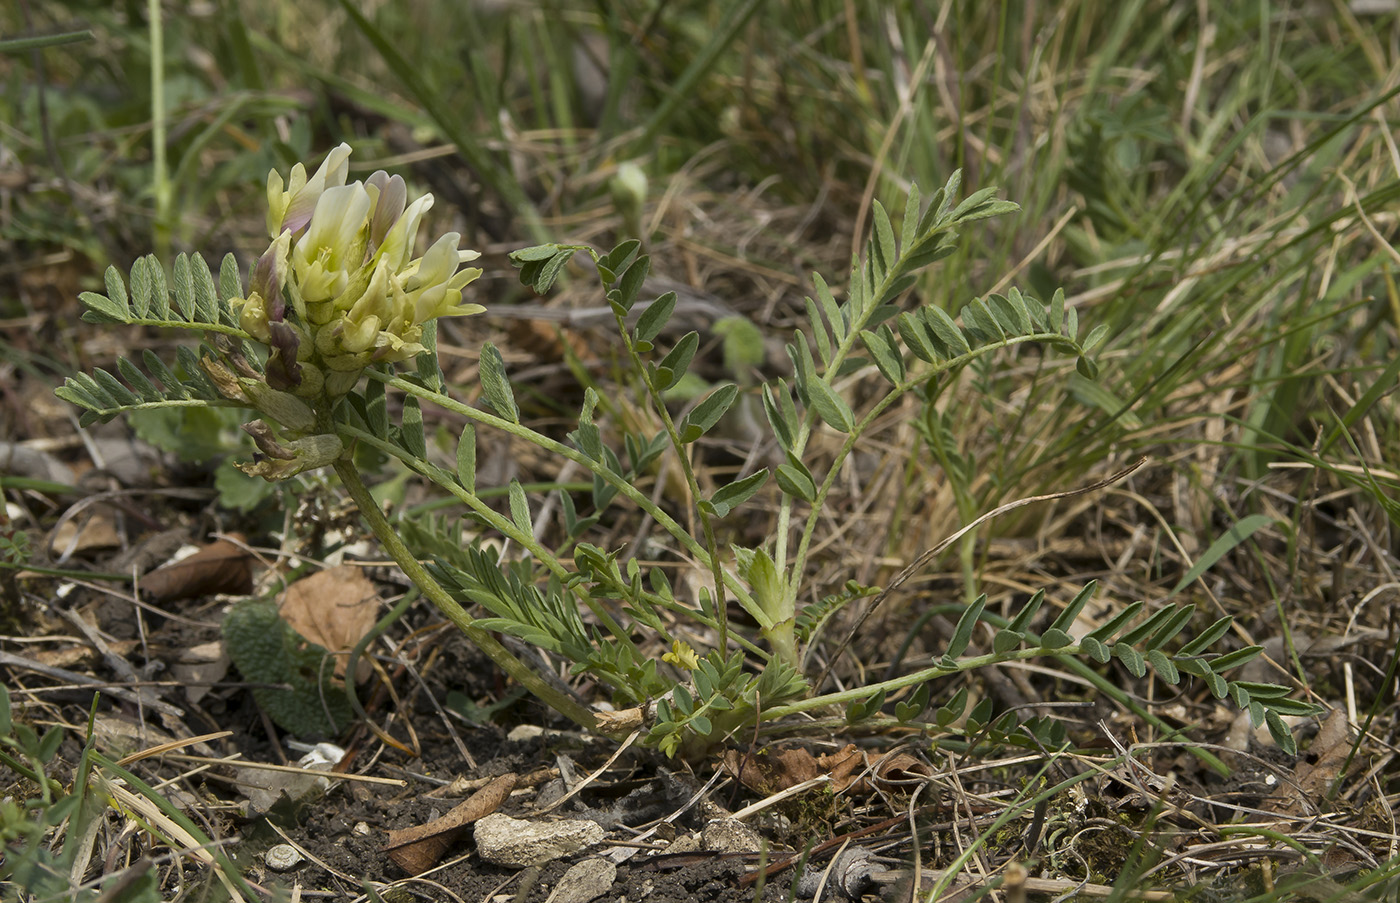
(585, 881)
(727, 835)
(515, 843)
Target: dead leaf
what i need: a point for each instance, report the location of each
(844, 766)
(417, 849)
(334, 608)
(769, 773)
(197, 667)
(848, 769)
(97, 532)
(621, 722)
(220, 567)
(75, 655)
(1321, 765)
(889, 770)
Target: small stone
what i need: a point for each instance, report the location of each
(684, 843)
(515, 843)
(524, 733)
(727, 835)
(585, 881)
(361, 829)
(281, 857)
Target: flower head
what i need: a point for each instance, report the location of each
(339, 287)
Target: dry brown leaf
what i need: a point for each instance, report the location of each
(848, 773)
(844, 766)
(770, 773)
(1321, 765)
(334, 608)
(620, 722)
(417, 849)
(97, 532)
(75, 655)
(197, 667)
(220, 567)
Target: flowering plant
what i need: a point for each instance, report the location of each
(337, 290)
(338, 296)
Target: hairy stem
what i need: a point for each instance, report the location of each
(624, 488)
(502, 525)
(688, 470)
(451, 609)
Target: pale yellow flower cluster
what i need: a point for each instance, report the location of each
(339, 287)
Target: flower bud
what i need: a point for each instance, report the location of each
(628, 187)
(252, 316)
(283, 371)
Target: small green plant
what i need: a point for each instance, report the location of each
(312, 344)
(42, 848)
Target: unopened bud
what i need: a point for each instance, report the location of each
(629, 189)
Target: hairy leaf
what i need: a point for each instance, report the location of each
(735, 494)
(495, 385)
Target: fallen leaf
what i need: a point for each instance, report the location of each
(97, 532)
(75, 655)
(620, 722)
(848, 769)
(845, 767)
(890, 770)
(220, 567)
(769, 773)
(417, 849)
(334, 609)
(1320, 766)
(197, 667)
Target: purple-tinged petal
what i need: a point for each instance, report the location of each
(389, 206)
(264, 282)
(283, 371)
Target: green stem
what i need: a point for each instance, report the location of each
(160, 175)
(799, 559)
(692, 484)
(502, 525)
(451, 609)
(47, 785)
(624, 488)
(1068, 656)
(235, 332)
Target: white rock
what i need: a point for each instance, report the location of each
(585, 881)
(727, 835)
(523, 733)
(512, 842)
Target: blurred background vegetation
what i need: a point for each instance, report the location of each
(1218, 182)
